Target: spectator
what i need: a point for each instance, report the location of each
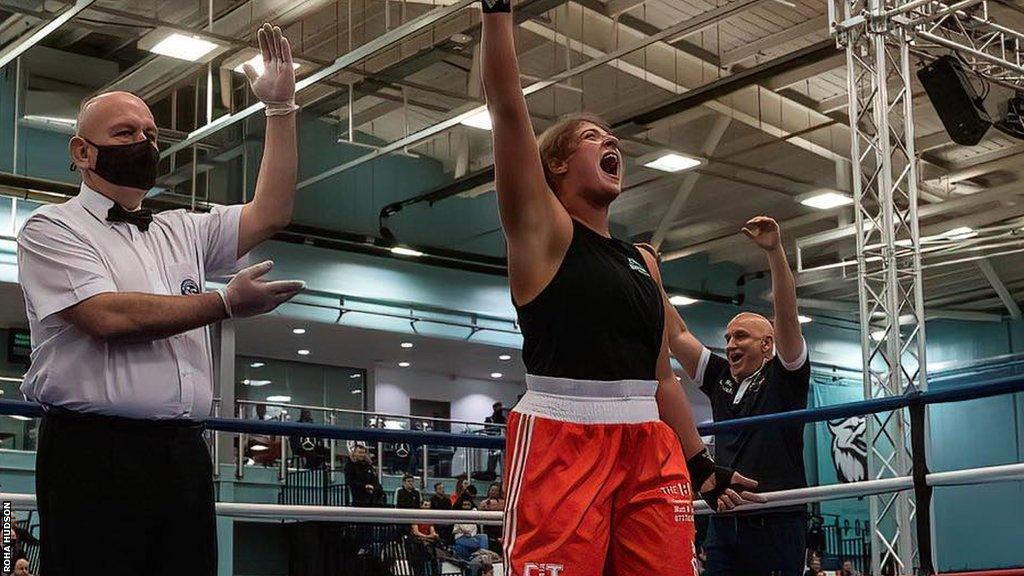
(848, 569)
(425, 532)
(361, 478)
(441, 501)
(21, 568)
(494, 456)
(765, 370)
(469, 493)
(460, 485)
(814, 566)
(487, 569)
(407, 496)
(311, 449)
(495, 502)
(467, 540)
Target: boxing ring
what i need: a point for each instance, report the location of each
(921, 482)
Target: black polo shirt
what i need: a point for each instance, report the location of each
(771, 454)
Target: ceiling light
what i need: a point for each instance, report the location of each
(302, 352)
(279, 398)
(826, 200)
(404, 364)
(257, 63)
(354, 376)
(258, 448)
(249, 382)
(805, 319)
(496, 374)
(19, 417)
(299, 331)
(407, 344)
(183, 47)
(357, 391)
(257, 365)
(877, 335)
(670, 162)
(505, 357)
(960, 233)
(480, 120)
(681, 300)
(402, 251)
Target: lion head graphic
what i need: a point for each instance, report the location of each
(849, 448)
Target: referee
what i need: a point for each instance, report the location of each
(121, 356)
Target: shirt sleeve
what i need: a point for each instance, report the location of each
(801, 358)
(796, 380)
(58, 269)
(710, 368)
(217, 234)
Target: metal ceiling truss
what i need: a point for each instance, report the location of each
(878, 36)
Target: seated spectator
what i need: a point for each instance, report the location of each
(467, 540)
(21, 568)
(361, 477)
(494, 502)
(425, 532)
(848, 569)
(469, 493)
(407, 496)
(441, 501)
(814, 566)
(460, 485)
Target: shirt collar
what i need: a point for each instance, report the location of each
(95, 203)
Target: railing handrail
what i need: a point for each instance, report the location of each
(365, 413)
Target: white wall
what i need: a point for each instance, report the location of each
(470, 399)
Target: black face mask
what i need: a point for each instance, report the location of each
(131, 165)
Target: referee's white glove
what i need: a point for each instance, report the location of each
(275, 84)
(247, 295)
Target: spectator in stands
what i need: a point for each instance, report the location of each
(21, 568)
(441, 501)
(494, 502)
(467, 538)
(494, 456)
(848, 569)
(487, 569)
(468, 494)
(312, 450)
(814, 566)
(425, 532)
(408, 496)
(460, 484)
(765, 369)
(361, 478)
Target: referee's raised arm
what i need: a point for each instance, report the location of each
(121, 352)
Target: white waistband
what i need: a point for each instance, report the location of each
(590, 401)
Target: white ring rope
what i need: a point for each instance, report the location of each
(778, 499)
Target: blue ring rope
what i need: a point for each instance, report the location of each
(1007, 385)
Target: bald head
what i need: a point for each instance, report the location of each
(749, 342)
(755, 323)
(109, 124)
(99, 114)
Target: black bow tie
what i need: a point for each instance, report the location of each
(140, 218)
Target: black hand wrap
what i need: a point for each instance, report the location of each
(701, 467)
(491, 6)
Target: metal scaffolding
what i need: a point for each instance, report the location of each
(879, 37)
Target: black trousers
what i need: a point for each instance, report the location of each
(766, 544)
(119, 496)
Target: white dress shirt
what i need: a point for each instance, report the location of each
(68, 253)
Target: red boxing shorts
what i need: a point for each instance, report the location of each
(596, 483)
